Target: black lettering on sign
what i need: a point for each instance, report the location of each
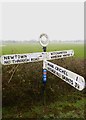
(5, 57)
(77, 85)
(16, 56)
(53, 56)
(62, 71)
(34, 59)
(67, 79)
(58, 56)
(56, 53)
(63, 52)
(77, 78)
(58, 74)
(53, 53)
(40, 56)
(12, 57)
(13, 61)
(8, 57)
(6, 62)
(28, 60)
(51, 70)
(51, 65)
(20, 61)
(22, 56)
(66, 55)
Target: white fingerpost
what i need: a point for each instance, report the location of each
(71, 78)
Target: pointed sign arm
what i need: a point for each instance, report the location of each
(69, 77)
(34, 57)
(21, 58)
(60, 54)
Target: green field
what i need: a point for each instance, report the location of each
(35, 47)
(23, 95)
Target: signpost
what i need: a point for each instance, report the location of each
(69, 77)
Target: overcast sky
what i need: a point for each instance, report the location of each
(26, 21)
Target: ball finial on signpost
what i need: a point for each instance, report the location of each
(44, 41)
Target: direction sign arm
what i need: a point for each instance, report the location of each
(21, 58)
(34, 57)
(68, 76)
(60, 54)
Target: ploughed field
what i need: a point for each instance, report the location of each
(23, 89)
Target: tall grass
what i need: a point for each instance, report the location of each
(23, 96)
